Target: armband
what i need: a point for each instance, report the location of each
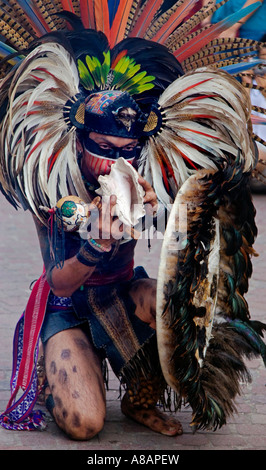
(88, 255)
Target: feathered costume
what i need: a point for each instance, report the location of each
(198, 150)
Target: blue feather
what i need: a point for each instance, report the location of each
(239, 14)
(6, 50)
(241, 67)
(250, 334)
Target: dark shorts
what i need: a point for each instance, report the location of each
(106, 314)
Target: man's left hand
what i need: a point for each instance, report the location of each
(150, 197)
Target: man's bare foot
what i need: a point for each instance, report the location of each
(152, 418)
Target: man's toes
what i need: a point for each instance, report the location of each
(168, 427)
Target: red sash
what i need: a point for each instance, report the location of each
(33, 319)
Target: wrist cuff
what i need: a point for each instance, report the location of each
(88, 255)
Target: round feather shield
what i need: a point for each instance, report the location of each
(187, 285)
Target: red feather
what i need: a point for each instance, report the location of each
(184, 156)
(203, 116)
(120, 21)
(67, 5)
(195, 84)
(175, 19)
(165, 179)
(145, 19)
(199, 132)
(102, 20)
(118, 57)
(87, 13)
(51, 161)
(196, 98)
(35, 146)
(37, 78)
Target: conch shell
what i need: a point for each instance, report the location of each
(123, 183)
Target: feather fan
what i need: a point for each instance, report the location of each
(204, 130)
(207, 34)
(24, 145)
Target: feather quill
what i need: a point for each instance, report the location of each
(241, 67)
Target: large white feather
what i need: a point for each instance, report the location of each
(35, 128)
(209, 109)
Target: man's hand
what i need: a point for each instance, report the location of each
(105, 228)
(150, 197)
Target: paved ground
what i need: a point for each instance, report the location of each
(20, 263)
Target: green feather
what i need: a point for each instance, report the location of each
(126, 74)
(138, 84)
(251, 335)
(122, 65)
(138, 77)
(105, 69)
(94, 67)
(123, 78)
(85, 76)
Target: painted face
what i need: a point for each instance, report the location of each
(100, 152)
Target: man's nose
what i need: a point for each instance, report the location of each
(117, 153)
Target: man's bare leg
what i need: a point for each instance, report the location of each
(75, 381)
(143, 293)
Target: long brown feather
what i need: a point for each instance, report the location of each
(14, 20)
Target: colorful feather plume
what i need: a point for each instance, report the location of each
(203, 37)
(125, 74)
(162, 22)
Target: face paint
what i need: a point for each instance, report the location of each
(98, 165)
(128, 152)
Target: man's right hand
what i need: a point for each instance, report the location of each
(105, 228)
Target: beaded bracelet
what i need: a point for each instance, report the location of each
(97, 245)
(88, 255)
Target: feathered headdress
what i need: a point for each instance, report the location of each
(53, 69)
(198, 150)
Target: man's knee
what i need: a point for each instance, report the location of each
(143, 294)
(79, 426)
(86, 430)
